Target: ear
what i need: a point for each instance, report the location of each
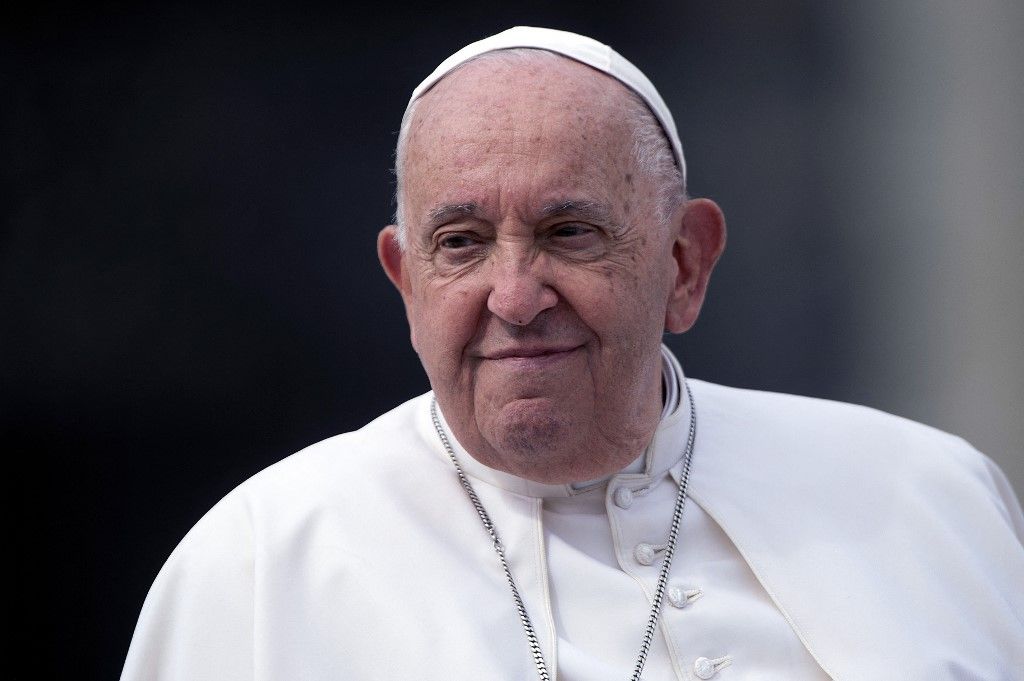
(392, 259)
(698, 244)
(389, 252)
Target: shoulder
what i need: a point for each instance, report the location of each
(342, 476)
(816, 493)
(797, 421)
(198, 618)
(845, 449)
(350, 469)
(383, 445)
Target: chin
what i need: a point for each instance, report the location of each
(535, 440)
(531, 427)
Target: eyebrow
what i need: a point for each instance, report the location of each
(590, 210)
(442, 214)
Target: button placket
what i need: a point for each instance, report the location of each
(634, 523)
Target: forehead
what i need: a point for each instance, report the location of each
(516, 128)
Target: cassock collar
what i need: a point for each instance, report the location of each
(662, 454)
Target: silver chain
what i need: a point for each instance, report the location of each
(524, 617)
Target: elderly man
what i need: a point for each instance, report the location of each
(526, 518)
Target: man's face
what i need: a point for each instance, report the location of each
(536, 274)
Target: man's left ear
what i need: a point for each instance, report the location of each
(697, 247)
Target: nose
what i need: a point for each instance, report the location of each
(520, 289)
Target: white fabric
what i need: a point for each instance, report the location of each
(892, 551)
(582, 49)
(600, 596)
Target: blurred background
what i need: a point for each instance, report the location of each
(188, 285)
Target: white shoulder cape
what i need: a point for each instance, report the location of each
(894, 550)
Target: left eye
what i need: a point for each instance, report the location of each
(571, 230)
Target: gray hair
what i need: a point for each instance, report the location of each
(652, 152)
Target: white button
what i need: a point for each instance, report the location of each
(644, 554)
(623, 497)
(681, 598)
(704, 668)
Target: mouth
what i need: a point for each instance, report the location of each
(532, 353)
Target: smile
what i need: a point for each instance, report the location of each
(532, 358)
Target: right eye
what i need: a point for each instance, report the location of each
(455, 241)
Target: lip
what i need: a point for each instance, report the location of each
(532, 352)
(531, 356)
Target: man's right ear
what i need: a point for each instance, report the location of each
(389, 251)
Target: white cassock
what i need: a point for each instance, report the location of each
(820, 540)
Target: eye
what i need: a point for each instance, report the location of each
(576, 240)
(571, 230)
(455, 241)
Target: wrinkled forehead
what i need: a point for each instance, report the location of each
(534, 89)
(532, 125)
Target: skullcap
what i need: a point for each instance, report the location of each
(575, 46)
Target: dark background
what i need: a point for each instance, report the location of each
(189, 286)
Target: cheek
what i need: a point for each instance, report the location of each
(445, 322)
(624, 305)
